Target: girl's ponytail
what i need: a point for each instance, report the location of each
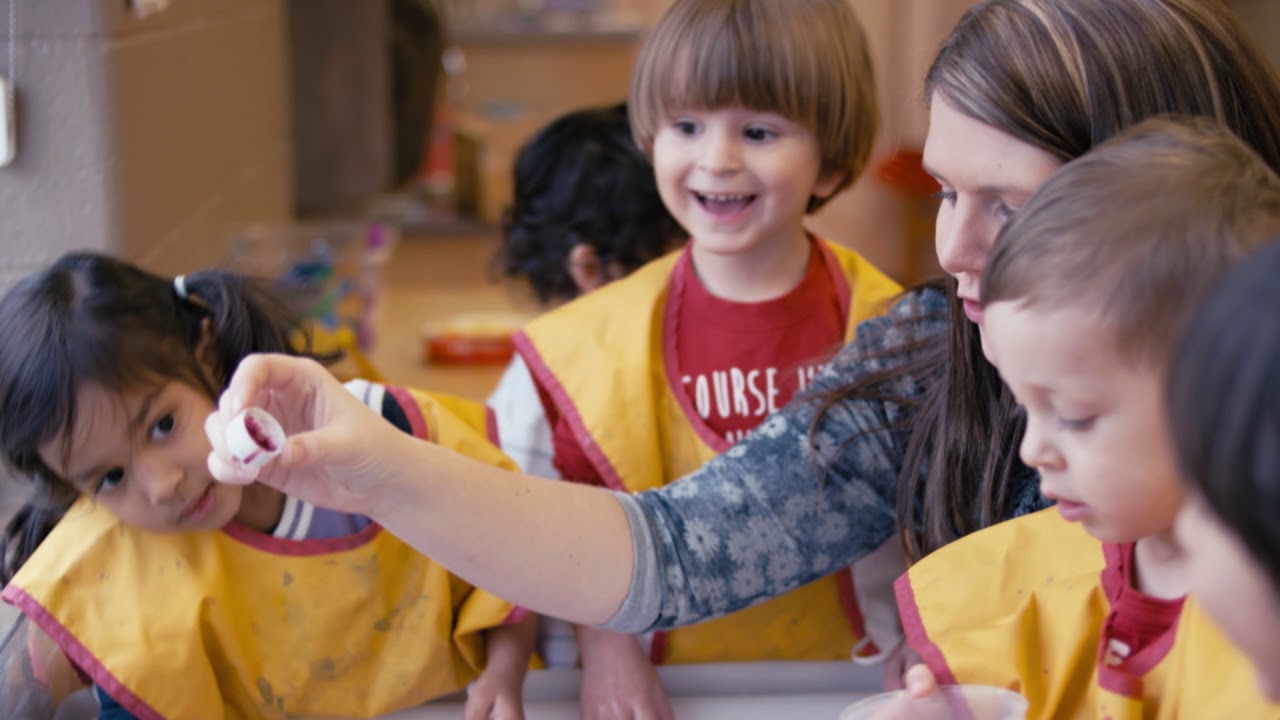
(244, 317)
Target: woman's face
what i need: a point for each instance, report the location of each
(986, 176)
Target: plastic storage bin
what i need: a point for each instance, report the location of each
(330, 273)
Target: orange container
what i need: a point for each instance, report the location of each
(476, 339)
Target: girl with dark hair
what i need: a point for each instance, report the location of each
(1224, 411)
(179, 596)
(908, 433)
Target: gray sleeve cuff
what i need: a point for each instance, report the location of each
(640, 608)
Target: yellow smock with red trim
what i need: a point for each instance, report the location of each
(1022, 605)
(235, 623)
(607, 377)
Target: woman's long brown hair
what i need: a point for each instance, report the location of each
(1063, 76)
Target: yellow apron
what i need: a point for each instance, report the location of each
(235, 623)
(608, 380)
(1021, 605)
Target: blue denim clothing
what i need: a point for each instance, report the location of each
(760, 519)
(109, 709)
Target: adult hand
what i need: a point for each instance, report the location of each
(337, 451)
(618, 681)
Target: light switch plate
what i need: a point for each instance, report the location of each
(8, 119)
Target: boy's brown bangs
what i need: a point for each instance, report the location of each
(805, 61)
(716, 66)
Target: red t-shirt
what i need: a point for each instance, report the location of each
(1139, 630)
(731, 364)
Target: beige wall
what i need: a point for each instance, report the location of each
(153, 137)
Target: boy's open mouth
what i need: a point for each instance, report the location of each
(723, 203)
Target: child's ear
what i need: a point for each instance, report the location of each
(826, 186)
(585, 269)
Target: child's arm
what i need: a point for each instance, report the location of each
(617, 678)
(497, 693)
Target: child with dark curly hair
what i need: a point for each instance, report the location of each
(586, 208)
(585, 211)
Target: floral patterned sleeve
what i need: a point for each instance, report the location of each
(755, 522)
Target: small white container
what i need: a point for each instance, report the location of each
(254, 437)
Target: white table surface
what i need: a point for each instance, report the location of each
(738, 691)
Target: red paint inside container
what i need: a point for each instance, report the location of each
(258, 435)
